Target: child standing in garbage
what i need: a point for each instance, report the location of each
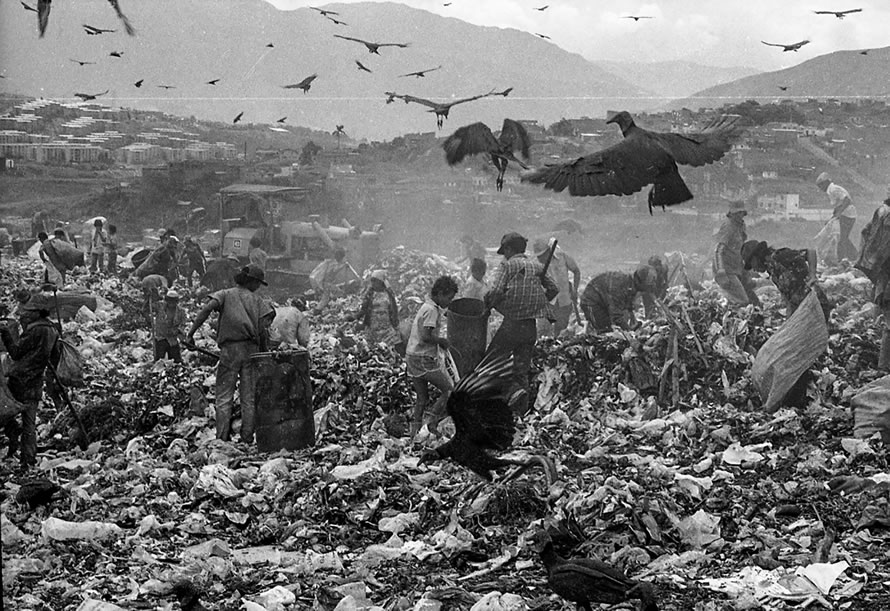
(422, 353)
(97, 247)
(379, 313)
(169, 327)
(111, 246)
(31, 355)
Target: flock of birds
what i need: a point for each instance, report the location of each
(796, 46)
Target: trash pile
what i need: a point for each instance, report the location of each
(669, 469)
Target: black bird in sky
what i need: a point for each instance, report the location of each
(282, 119)
(138, 83)
(839, 14)
(77, 61)
(212, 82)
(361, 66)
(374, 46)
(638, 17)
(544, 36)
(863, 52)
(446, 4)
(642, 158)
(167, 86)
(586, 580)
(238, 117)
(439, 108)
(89, 96)
(28, 7)
(335, 21)
(305, 84)
(94, 31)
(542, 8)
(323, 12)
(783, 87)
(116, 54)
(421, 73)
(477, 138)
(792, 47)
(270, 45)
(483, 422)
(503, 93)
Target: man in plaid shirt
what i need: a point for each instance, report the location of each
(521, 292)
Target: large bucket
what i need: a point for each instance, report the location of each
(283, 400)
(467, 333)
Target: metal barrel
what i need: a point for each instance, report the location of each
(283, 400)
(467, 332)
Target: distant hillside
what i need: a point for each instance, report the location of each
(674, 79)
(185, 44)
(840, 74)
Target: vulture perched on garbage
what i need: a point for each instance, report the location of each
(37, 492)
(644, 157)
(483, 422)
(586, 580)
(477, 138)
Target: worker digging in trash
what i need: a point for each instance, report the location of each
(566, 301)
(331, 277)
(843, 212)
(168, 328)
(874, 260)
(608, 299)
(31, 355)
(244, 320)
(521, 291)
(424, 363)
(290, 328)
(379, 313)
(729, 269)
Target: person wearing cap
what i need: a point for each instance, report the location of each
(843, 211)
(97, 247)
(193, 260)
(169, 327)
(790, 269)
(331, 276)
(728, 267)
(521, 292)
(290, 328)
(244, 319)
(608, 299)
(31, 354)
(256, 255)
(379, 312)
(874, 261)
(561, 265)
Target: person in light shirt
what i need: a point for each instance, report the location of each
(842, 210)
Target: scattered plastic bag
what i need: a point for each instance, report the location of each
(61, 530)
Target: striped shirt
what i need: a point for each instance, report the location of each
(518, 291)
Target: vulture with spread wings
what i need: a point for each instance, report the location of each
(305, 84)
(373, 47)
(440, 108)
(477, 138)
(483, 422)
(642, 158)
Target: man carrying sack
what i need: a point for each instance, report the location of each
(30, 355)
(244, 319)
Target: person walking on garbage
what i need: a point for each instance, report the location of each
(729, 270)
(169, 328)
(874, 261)
(424, 363)
(560, 267)
(791, 270)
(290, 328)
(843, 211)
(379, 313)
(608, 299)
(193, 260)
(97, 247)
(256, 255)
(521, 291)
(111, 246)
(331, 276)
(31, 355)
(244, 320)
(475, 287)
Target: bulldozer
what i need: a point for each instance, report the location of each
(295, 232)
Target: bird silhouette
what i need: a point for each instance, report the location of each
(212, 82)
(586, 580)
(542, 8)
(324, 13)
(792, 47)
(441, 109)
(37, 492)
(270, 45)
(94, 31)
(28, 7)
(503, 93)
(638, 17)
(421, 73)
(238, 117)
(282, 119)
(138, 83)
(642, 158)
(483, 422)
(374, 46)
(446, 4)
(361, 66)
(863, 52)
(839, 14)
(477, 138)
(167, 86)
(544, 36)
(335, 21)
(305, 84)
(82, 63)
(89, 96)
(783, 87)
(116, 54)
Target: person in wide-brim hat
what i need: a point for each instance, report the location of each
(250, 273)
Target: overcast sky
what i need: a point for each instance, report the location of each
(714, 32)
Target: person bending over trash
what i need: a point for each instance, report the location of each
(729, 271)
(608, 299)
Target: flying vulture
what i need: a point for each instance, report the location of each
(477, 138)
